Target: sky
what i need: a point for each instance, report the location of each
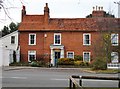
(58, 8)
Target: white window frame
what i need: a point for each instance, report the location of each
(31, 52)
(113, 53)
(70, 52)
(30, 39)
(54, 38)
(11, 40)
(85, 40)
(117, 41)
(89, 56)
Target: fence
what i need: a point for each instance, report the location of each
(73, 84)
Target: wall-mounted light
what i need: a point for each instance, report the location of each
(45, 35)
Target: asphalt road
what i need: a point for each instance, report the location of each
(50, 77)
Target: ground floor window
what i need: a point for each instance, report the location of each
(31, 55)
(114, 57)
(86, 56)
(70, 55)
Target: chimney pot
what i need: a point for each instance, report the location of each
(96, 8)
(93, 8)
(46, 4)
(99, 8)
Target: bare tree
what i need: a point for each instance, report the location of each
(102, 46)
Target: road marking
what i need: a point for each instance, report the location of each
(18, 77)
(14, 77)
(58, 79)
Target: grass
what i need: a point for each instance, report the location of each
(101, 71)
(100, 88)
(94, 88)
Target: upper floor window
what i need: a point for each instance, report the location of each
(114, 57)
(70, 55)
(32, 39)
(86, 39)
(86, 56)
(12, 39)
(114, 39)
(57, 39)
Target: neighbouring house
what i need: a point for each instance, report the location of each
(48, 39)
(9, 49)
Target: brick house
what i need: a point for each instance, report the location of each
(64, 37)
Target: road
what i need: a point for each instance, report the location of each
(49, 77)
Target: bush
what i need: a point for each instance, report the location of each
(36, 63)
(99, 64)
(81, 64)
(78, 58)
(77, 63)
(65, 61)
(19, 64)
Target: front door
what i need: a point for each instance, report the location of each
(57, 56)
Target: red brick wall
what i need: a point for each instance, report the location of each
(72, 41)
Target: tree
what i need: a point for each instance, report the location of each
(102, 46)
(5, 31)
(13, 27)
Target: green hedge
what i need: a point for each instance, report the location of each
(65, 61)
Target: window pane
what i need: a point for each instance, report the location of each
(70, 55)
(86, 39)
(86, 57)
(32, 39)
(114, 57)
(57, 39)
(31, 55)
(12, 39)
(114, 39)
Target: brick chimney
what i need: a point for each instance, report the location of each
(23, 12)
(46, 14)
(98, 12)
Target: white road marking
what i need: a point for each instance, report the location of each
(14, 77)
(58, 79)
(19, 77)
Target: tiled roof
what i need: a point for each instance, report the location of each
(36, 23)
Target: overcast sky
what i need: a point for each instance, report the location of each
(58, 8)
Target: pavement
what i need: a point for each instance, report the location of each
(7, 68)
(87, 70)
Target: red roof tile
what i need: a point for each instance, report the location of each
(36, 23)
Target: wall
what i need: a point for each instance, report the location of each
(6, 48)
(72, 41)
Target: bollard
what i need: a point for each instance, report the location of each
(70, 84)
(80, 81)
(119, 83)
(73, 86)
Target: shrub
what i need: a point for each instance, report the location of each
(81, 64)
(36, 63)
(99, 64)
(19, 64)
(65, 61)
(78, 58)
(77, 63)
